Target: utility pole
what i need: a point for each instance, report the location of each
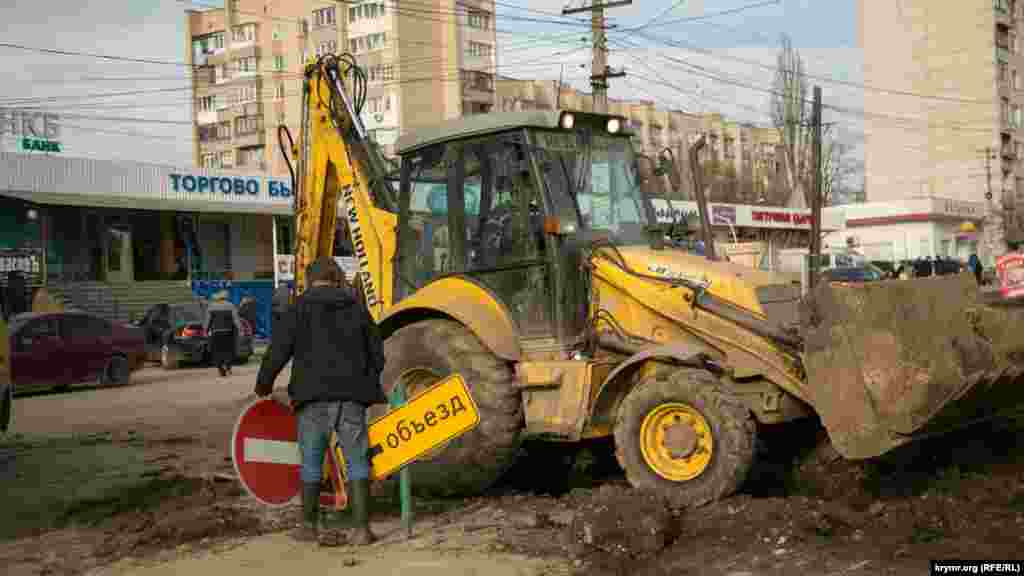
(993, 228)
(817, 200)
(558, 89)
(599, 71)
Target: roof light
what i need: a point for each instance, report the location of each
(567, 121)
(614, 125)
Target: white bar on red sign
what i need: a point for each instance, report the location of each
(262, 451)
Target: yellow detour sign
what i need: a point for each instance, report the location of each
(428, 420)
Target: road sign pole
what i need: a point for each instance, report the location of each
(405, 475)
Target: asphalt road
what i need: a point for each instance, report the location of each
(155, 397)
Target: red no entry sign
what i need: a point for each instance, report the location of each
(265, 452)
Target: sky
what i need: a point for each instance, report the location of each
(718, 62)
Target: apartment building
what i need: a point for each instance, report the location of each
(944, 107)
(424, 64)
(745, 158)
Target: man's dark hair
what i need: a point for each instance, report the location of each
(324, 269)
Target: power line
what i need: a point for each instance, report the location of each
(737, 10)
(686, 46)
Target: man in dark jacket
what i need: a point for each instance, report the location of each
(337, 357)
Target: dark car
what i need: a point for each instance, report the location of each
(176, 335)
(853, 274)
(64, 348)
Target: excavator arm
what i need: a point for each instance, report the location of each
(338, 164)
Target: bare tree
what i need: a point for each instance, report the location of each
(839, 168)
(791, 114)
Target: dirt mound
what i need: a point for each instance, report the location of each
(618, 527)
(203, 511)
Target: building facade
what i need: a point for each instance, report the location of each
(944, 107)
(423, 66)
(742, 161)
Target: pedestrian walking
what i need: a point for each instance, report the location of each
(222, 328)
(337, 357)
(974, 264)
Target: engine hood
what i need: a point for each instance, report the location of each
(749, 288)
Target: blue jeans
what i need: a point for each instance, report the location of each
(315, 422)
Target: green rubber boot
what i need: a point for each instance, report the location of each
(309, 530)
(359, 491)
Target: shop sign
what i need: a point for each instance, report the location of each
(228, 185)
(36, 131)
(19, 261)
(1010, 268)
(285, 266)
(722, 213)
(778, 217)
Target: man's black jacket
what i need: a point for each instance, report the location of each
(335, 349)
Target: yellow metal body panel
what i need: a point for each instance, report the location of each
(472, 305)
(333, 175)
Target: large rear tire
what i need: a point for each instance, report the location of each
(682, 435)
(420, 355)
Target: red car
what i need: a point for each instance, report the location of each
(64, 348)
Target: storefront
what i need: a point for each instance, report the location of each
(120, 228)
(754, 231)
(128, 222)
(914, 228)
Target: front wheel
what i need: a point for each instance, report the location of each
(422, 354)
(685, 437)
(116, 373)
(168, 359)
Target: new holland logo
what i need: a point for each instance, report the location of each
(666, 272)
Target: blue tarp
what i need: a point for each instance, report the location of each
(260, 290)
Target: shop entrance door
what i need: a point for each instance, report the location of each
(120, 256)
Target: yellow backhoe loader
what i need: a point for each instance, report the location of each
(517, 250)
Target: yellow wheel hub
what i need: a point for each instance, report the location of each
(676, 442)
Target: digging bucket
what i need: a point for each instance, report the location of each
(890, 362)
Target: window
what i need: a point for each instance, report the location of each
(227, 159)
(366, 11)
(480, 19)
(477, 80)
(1018, 150)
(324, 16)
(224, 131)
(279, 91)
(209, 161)
(479, 49)
(1001, 6)
(220, 102)
(204, 103)
(223, 73)
(36, 330)
(251, 156)
(327, 47)
(1015, 80)
(248, 124)
(1015, 120)
(247, 94)
(244, 33)
(376, 41)
(207, 133)
(246, 65)
(276, 33)
(382, 73)
(279, 63)
(207, 45)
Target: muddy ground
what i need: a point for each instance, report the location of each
(144, 471)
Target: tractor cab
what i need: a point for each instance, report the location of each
(510, 200)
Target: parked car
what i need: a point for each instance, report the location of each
(6, 387)
(176, 335)
(866, 273)
(64, 348)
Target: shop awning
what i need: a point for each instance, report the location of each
(137, 203)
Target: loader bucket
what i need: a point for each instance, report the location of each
(890, 362)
